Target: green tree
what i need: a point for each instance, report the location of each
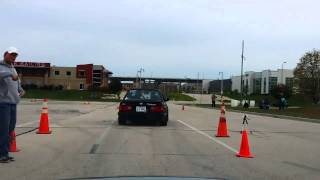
(115, 86)
(307, 75)
(281, 90)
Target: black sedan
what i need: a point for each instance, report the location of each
(143, 104)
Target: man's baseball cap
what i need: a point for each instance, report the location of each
(12, 50)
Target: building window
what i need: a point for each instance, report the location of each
(81, 86)
(57, 73)
(257, 85)
(264, 84)
(272, 82)
(68, 73)
(82, 73)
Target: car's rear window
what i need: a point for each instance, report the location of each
(147, 95)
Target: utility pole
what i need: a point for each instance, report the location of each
(242, 57)
(140, 71)
(201, 88)
(198, 84)
(137, 79)
(221, 86)
(282, 72)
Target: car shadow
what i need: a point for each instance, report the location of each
(142, 123)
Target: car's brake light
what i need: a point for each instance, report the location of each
(158, 108)
(125, 108)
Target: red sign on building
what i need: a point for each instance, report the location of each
(31, 64)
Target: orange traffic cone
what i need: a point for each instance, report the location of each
(182, 107)
(222, 109)
(13, 142)
(44, 119)
(222, 127)
(244, 148)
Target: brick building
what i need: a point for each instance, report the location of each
(80, 77)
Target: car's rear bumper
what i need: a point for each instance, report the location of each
(128, 116)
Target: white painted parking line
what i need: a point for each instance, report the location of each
(208, 136)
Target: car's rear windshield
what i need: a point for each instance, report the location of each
(145, 95)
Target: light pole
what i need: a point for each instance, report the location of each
(241, 84)
(201, 88)
(282, 71)
(140, 71)
(221, 83)
(198, 83)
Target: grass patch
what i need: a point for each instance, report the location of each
(67, 95)
(180, 97)
(311, 111)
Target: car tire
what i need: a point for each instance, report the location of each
(121, 122)
(164, 123)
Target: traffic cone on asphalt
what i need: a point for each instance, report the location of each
(222, 108)
(182, 107)
(13, 142)
(44, 119)
(222, 127)
(244, 148)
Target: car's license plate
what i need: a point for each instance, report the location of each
(141, 109)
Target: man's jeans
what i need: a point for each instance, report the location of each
(8, 118)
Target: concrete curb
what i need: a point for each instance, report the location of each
(278, 116)
(271, 115)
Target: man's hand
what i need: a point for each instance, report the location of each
(15, 77)
(22, 93)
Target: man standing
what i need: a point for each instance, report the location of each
(10, 92)
(213, 100)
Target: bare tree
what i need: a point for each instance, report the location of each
(307, 75)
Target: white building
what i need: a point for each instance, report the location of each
(262, 82)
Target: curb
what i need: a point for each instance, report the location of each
(272, 115)
(279, 116)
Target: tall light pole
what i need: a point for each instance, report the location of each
(201, 88)
(221, 86)
(198, 83)
(241, 84)
(140, 72)
(282, 71)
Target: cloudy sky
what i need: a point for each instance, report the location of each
(168, 38)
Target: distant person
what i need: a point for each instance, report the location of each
(246, 104)
(262, 104)
(213, 100)
(266, 103)
(10, 92)
(285, 103)
(282, 103)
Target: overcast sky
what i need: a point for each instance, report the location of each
(168, 38)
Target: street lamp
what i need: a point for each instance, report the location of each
(140, 72)
(282, 71)
(221, 82)
(242, 58)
